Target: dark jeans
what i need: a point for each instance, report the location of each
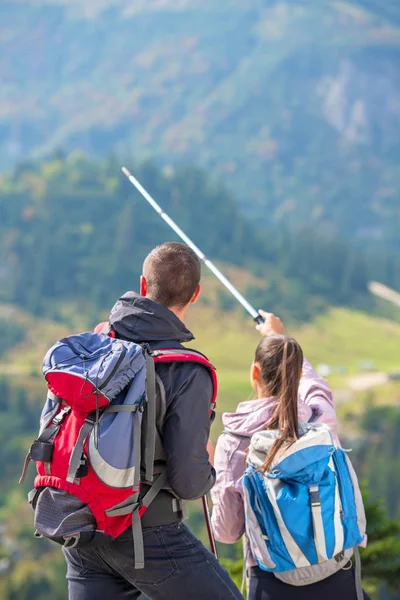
(177, 567)
(340, 586)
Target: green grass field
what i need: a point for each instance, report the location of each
(339, 338)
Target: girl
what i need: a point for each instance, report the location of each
(288, 392)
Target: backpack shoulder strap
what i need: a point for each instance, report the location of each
(151, 415)
(177, 355)
(154, 383)
(171, 355)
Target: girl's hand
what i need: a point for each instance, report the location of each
(211, 452)
(272, 325)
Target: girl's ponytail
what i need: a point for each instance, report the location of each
(280, 359)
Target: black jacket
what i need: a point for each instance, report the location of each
(188, 390)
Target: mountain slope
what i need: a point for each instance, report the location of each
(73, 230)
(296, 104)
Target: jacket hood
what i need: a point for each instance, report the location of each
(139, 320)
(253, 415)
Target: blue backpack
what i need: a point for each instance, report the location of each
(304, 515)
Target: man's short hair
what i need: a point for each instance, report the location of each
(172, 271)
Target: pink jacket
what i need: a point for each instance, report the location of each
(315, 397)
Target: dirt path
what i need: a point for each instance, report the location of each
(367, 381)
(359, 383)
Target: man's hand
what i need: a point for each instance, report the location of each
(272, 325)
(211, 452)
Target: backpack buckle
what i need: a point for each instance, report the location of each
(71, 541)
(339, 557)
(83, 469)
(58, 419)
(315, 496)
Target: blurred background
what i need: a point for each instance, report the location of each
(269, 130)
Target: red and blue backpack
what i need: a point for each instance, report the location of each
(88, 451)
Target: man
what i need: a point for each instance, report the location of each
(177, 565)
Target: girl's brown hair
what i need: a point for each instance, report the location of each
(280, 359)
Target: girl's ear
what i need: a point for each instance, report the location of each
(255, 375)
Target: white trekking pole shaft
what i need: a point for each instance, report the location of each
(246, 305)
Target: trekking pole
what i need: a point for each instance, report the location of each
(207, 515)
(385, 292)
(246, 305)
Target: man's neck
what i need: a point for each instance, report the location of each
(179, 312)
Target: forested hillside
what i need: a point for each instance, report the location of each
(294, 103)
(75, 230)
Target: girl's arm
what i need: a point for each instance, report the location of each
(315, 392)
(228, 510)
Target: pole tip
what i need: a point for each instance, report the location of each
(125, 171)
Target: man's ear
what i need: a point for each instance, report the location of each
(196, 295)
(143, 286)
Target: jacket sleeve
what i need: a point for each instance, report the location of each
(315, 392)
(228, 508)
(185, 435)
